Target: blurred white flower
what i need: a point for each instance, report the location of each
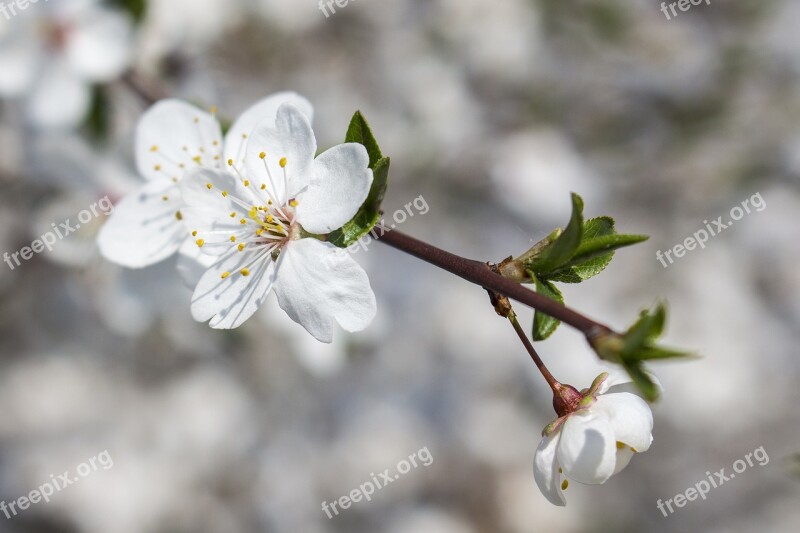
(255, 227)
(594, 441)
(52, 53)
(172, 137)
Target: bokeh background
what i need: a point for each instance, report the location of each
(492, 112)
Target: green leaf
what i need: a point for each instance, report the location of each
(360, 132)
(595, 252)
(544, 325)
(639, 342)
(648, 328)
(650, 353)
(642, 381)
(369, 213)
(360, 225)
(565, 246)
(598, 227)
(597, 246)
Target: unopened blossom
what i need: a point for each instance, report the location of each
(598, 432)
(263, 226)
(172, 138)
(52, 52)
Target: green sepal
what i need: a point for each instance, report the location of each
(369, 213)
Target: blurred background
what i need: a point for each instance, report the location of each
(492, 112)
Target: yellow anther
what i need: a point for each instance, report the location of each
(244, 136)
(263, 186)
(233, 238)
(224, 194)
(197, 159)
(246, 183)
(293, 203)
(209, 186)
(174, 179)
(253, 212)
(262, 155)
(270, 219)
(269, 202)
(181, 165)
(225, 275)
(200, 242)
(154, 148)
(259, 231)
(243, 221)
(564, 484)
(244, 272)
(213, 110)
(178, 215)
(215, 143)
(241, 247)
(216, 158)
(620, 445)
(283, 162)
(194, 233)
(165, 197)
(157, 167)
(233, 214)
(196, 120)
(230, 162)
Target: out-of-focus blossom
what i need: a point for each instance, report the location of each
(52, 53)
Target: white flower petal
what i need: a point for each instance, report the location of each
(339, 184)
(143, 228)
(192, 262)
(587, 450)
(173, 137)
(231, 300)
(630, 418)
(290, 137)
(545, 470)
(318, 284)
(60, 98)
(624, 456)
(99, 44)
(264, 111)
(208, 210)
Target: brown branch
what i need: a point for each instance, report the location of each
(481, 274)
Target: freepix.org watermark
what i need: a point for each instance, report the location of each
(712, 229)
(704, 486)
(57, 484)
(683, 5)
(331, 5)
(11, 9)
(365, 491)
(420, 207)
(48, 240)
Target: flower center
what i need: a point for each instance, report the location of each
(265, 216)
